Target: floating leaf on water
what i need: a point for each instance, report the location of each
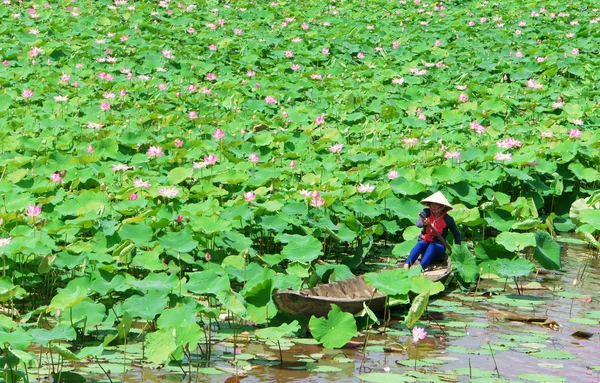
(209, 371)
(318, 368)
(585, 321)
(382, 377)
(542, 378)
(474, 372)
(550, 365)
(553, 354)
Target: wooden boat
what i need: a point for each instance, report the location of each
(349, 295)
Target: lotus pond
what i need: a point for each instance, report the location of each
(165, 167)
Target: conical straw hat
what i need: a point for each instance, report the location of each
(437, 197)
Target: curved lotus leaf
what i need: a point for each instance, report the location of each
(276, 333)
(334, 331)
(513, 268)
(302, 248)
(516, 241)
(464, 263)
(179, 241)
(547, 251)
(417, 308)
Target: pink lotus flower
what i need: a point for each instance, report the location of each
(306, 193)
(270, 100)
(120, 167)
(218, 134)
(179, 218)
(547, 134)
(575, 51)
(393, 174)
(452, 155)
(320, 120)
(192, 115)
(289, 54)
(133, 197)
(211, 159)
(5, 241)
(418, 334)
(90, 149)
(574, 133)
(316, 200)
(138, 183)
(292, 164)
(34, 211)
(178, 143)
(168, 192)
(295, 67)
(398, 81)
(207, 256)
(463, 97)
(35, 51)
(534, 85)
(365, 188)
(325, 51)
(253, 158)
(27, 93)
(104, 106)
(503, 156)
(155, 151)
(337, 148)
(61, 98)
(211, 76)
(249, 196)
(360, 55)
(411, 141)
(55, 177)
(168, 54)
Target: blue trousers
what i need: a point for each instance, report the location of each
(429, 250)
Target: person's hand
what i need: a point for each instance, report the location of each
(425, 221)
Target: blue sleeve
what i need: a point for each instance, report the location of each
(424, 213)
(454, 229)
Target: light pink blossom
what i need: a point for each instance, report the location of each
(503, 156)
(192, 115)
(392, 174)
(168, 191)
(5, 241)
(27, 93)
(418, 334)
(155, 151)
(270, 100)
(337, 148)
(138, 183)
(55, 177)
(253, 158)
(34, 211)
(463, 97)
(574, 133)
(249, 196)
(365, 188)
(218, 134)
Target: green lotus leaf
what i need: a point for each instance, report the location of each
(464, 263)
(547, 251)
(302, 249)
(516, 241)
(335, 330)
(160, 345)
(276, 333)
(146, 306)
(139, 234)
(179, 241)
(512, 268)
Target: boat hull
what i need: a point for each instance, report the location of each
(349, 295)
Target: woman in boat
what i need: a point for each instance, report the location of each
(429, 245)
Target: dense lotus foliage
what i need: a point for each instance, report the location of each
(151, 152)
